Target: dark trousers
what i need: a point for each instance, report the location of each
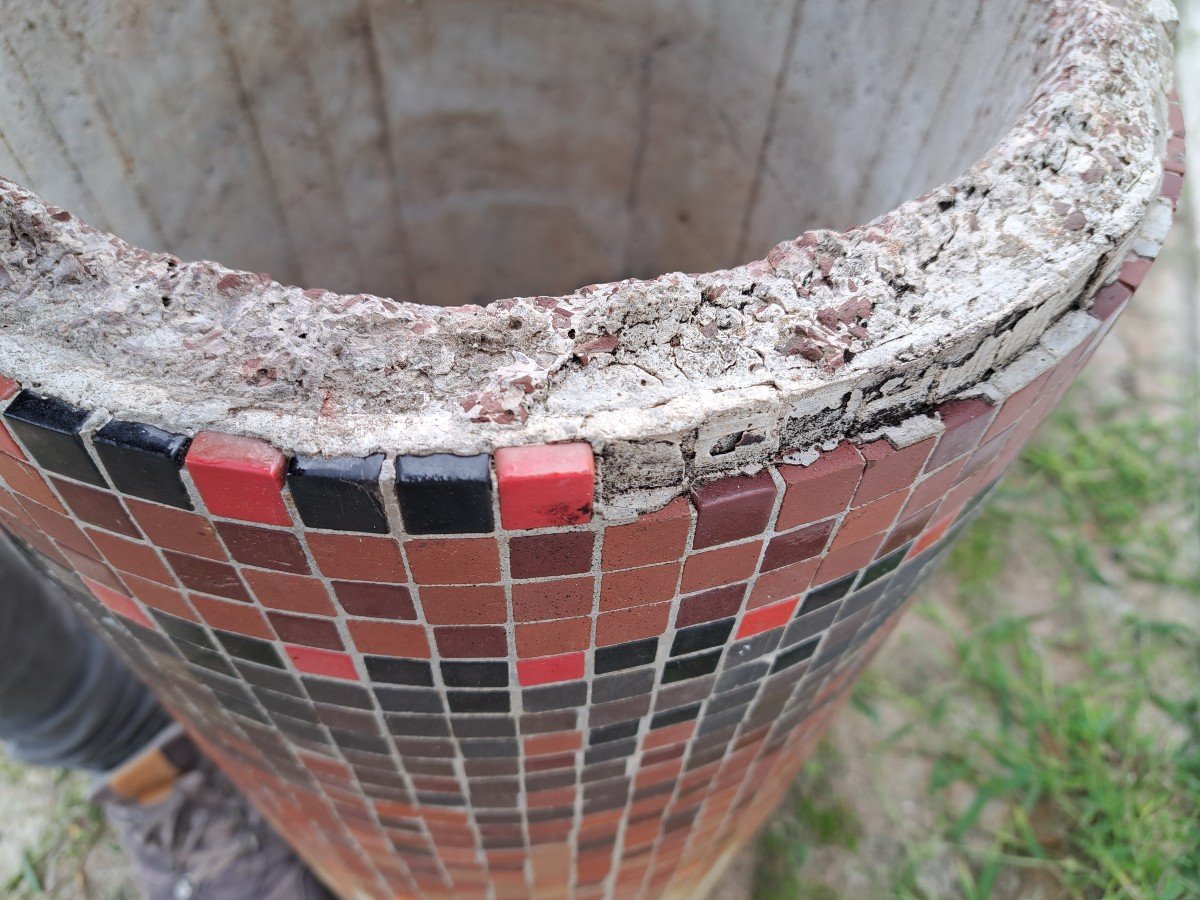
(65, 698)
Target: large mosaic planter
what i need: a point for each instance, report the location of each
(548, 597)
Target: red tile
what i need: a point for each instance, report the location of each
(632, 624)
(159, 596)
(238, 477)
(8, 387)
(545, 485)
(240, 618)
(174, 529)
(312, 661)
(966, 423)
(656, 537)
(933, 487)
(638, 587)
(558, 599)
(724, 566)
(118, 603)
(557, 636)
(294, 593)
(8, 445)
(551, 555)
(1109, 300)
(732, 508)
(454, 560)
(1133, 271)
(388, 638)
(550, 669)
(820, 490)
(353, 557)
(931, 537)
(888, 469)
(782, 583)
(765, 618)
(466, 642)
(464, 605)
(848, 559)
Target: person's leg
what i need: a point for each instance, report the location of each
(65, 698)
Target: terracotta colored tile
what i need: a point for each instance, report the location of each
(159, 596)
(632, 624)
(797, 546)
(207, 576)
(454, 560)
(1109, 300)
(295, 593)
(322, 662)
(375, 601)
(304, 630)
(558, 636)
(888, 469)
(481, 642)
(718, 603)
(389, 638)
(91, 568)
(96, 507)
(637, 587)
(264, 548)
(239, 618)
(966, 422)
(781, 584)
(848, 559)
(61, 528)
(28, 482)
(873, 518)
(732, 508)
(9, 446)
(562, 742)
(724, 566)
(175, 529)
(931, 537)
(354, 557)
(933, 487)
(557, 599)
(119, 603)
(550, 670)
(238, 477)
(548, 555)
(657, 537)
(463, 605)
(820, 490)
(765, 618)
(908, 528)
(131, 556)
(545, 485)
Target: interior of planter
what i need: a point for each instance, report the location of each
(452, 151)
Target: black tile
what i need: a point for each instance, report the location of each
(391, 670)
(489, 749)
(478, 701)
(356, 740)
(884, 566)
(274, 679)
(701, 637)
(475, 674)
(606, 752)
(418, 726)
(742, 676)
(411, 700)
(547, 722)
(731, 699)
(797, 654)
(144, 461)
(339, 494)
(826, 594)
(753, 648)
(622, 685)
(690, 667)
(444, 494)
(181, 628)
(675, 716)
(803, 628)
(250, 649)
(207, 658)
(626, 656)
(51, 429)
(559, 696)
(694, 690)
(338, 693)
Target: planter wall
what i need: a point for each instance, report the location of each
(552, 596)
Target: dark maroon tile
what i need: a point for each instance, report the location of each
(715, 604)
(97, 507)
(265, 548)
(467, 641)
(732, 508)
(796, 546)
(302, 630)
(375, 601)
(207, 576)
(546, 555)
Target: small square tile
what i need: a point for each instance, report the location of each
(732, 508)
(874, 518)
(293, 593)
(637, 587)
(340, 493)
(475, 674)
(827, 593)
(174, 529)
(701, 637)
(238, 477)
(795, 656)
(713, 568)
(454, 560)
(478, 641)
(241, 618)
(889, 469)
(26, 481)
(688, 667)
(545, 485)
(264, 548)
(626, 625)
(158, 596)
(250, 649)
(131, 556)
(797, 546)
(782, 584)
(822, 489)
(674, 716)
(410, 700)
(99, 508)
(767, 617)
(374, 601)
(549, 555)
(558, 599)
(966, 423)
(144, 461)
(207, 576)
(389, 638)
(352, 557)
(908, 528)
(885, 565)
(415, 672)
(550, 669)
(558, 696)
(304, 630)
(478, 701)
(327, 663)
(117, 602)
(623, 684)
(657, 537)
(444, 494)
(718, 603)
(51, 430)
(549, 638)
(463, 605)
(337, 693)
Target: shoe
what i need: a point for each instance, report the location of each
(190, 833)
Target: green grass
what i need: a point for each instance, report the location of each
(1063, 748)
